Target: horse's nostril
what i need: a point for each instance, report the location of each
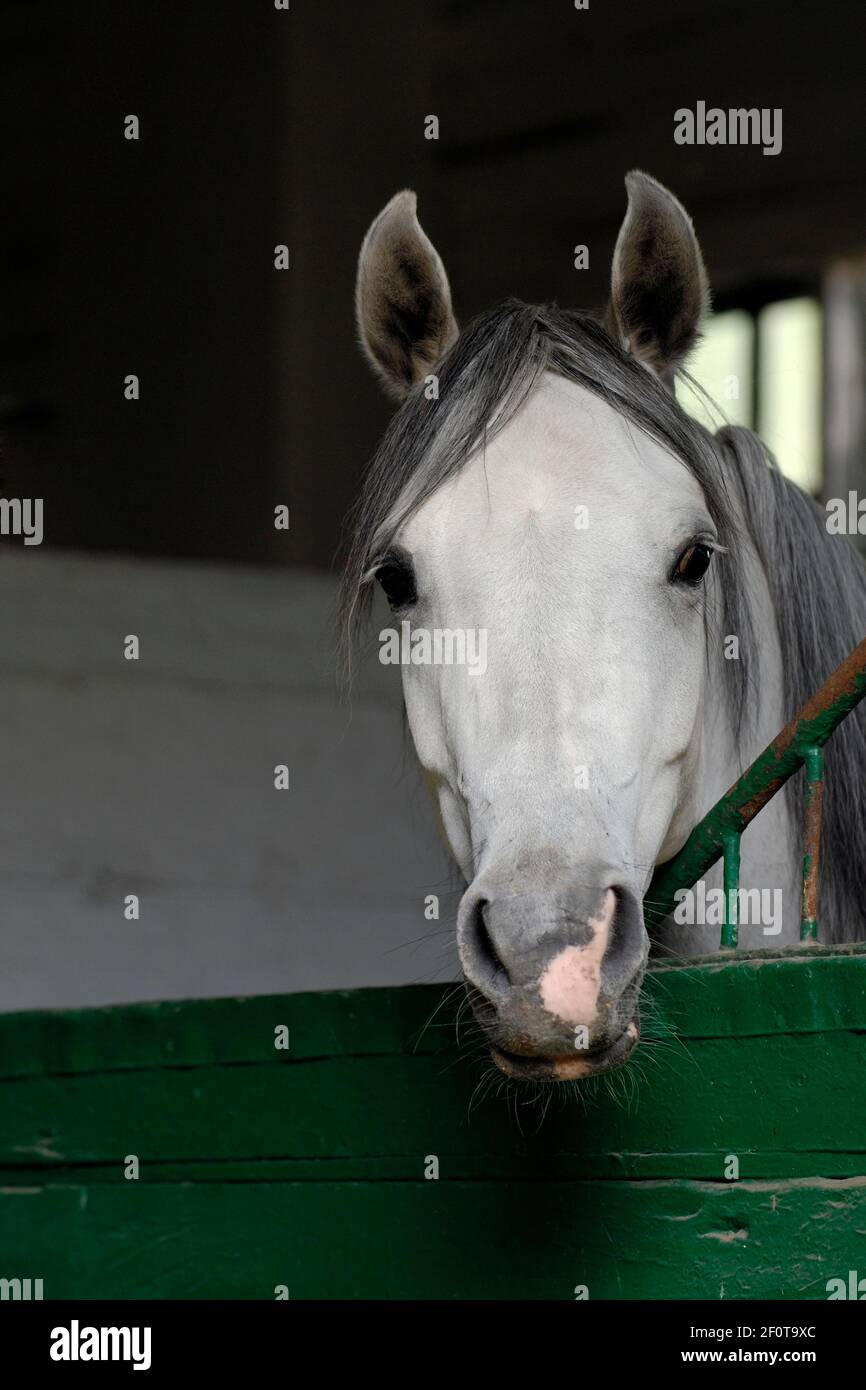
(565, 951)
(626, 931)
(489, 969)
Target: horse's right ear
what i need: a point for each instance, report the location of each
(402, 298)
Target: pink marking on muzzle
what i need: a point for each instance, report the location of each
(571, 982)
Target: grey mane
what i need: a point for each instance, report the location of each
(818, 586)
(817, 581)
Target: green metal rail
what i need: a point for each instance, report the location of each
(800, 744)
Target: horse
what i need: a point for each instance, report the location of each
(657, 600)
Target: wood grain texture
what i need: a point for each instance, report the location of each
(438, 1240)
(307, 1167)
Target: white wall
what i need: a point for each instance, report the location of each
(156, 777)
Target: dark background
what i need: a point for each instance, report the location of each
(260, 127)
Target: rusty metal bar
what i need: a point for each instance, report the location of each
(814, 806)
(790, 749)
(731, 851)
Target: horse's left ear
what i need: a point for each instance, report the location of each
(659, 289)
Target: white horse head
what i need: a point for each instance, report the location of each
(543, 500)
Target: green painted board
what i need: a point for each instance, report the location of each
(438, 1240)
(307, 1167)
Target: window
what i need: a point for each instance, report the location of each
(762, 369)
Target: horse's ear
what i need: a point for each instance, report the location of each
(659, 288)
(402, 298)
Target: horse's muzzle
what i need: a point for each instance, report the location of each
(554, 979)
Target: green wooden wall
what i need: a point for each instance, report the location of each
(307, 1168)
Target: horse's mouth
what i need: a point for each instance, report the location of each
(571, 1067)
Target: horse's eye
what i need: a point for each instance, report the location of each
(693, 564)
(397, 579)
